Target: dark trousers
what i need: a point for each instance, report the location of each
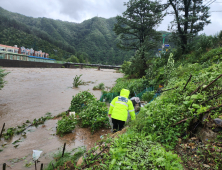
(117, 125)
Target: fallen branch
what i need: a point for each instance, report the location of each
(197, 89)
(213, 108)
(168, 89)
(187, 82)
(212, 82)
(181, 121)
(220, 92)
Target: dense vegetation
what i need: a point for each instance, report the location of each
(94, 39)
(167, 128)
(172, 119)
(12, 36)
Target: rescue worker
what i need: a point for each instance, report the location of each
(119, 108)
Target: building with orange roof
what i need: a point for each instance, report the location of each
(10, 49)
(11, 53)
(25, 54)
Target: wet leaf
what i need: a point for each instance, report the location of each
(16, 141)
(16, 146)
(28, 164)
(3, 145)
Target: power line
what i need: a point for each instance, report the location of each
(211, 3)
(208, 2)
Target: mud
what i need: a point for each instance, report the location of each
(32, 92)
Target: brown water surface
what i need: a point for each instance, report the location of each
(32, 92)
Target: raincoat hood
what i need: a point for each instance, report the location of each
(125, 93)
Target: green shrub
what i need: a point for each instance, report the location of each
(66, 124)
(77, 81)
(92, 113)
(133, 85)
(101, 86)
(94, 116)
(204, 42)
(126, 68)
(73, 59)
(148, 96)
(81, 100)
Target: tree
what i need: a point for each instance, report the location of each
(137, 26)
(81, 59)
(85, 57)
(190, 18)
(73, 59)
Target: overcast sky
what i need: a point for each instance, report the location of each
(80, 10)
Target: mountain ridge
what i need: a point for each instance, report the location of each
(93, 36)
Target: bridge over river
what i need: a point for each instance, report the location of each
(31, 64)
(81, 65)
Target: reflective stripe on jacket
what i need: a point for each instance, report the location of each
(120, 106)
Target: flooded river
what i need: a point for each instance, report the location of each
(32, 92)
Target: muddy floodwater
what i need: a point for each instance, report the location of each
(32, 92)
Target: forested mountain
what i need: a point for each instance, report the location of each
(62, 39)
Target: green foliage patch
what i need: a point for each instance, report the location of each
(81, 100)
(101, 86)
(158, 117)
(94, 116)
(66, 125)
(133, 85)
(148, 96)
(133, 150)
(91, 113)
(71, 156)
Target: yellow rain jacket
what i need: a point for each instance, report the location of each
(120, 106)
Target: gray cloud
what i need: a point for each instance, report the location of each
(80, 10)
(85, 9)
(216, 20)
(28, 8)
